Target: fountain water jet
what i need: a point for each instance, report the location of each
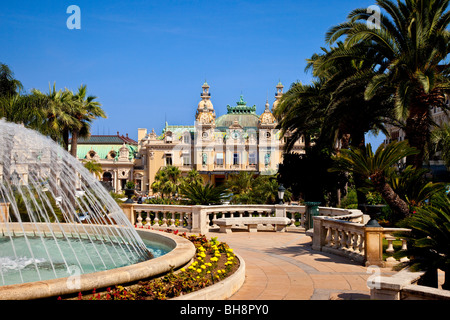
(43, 191)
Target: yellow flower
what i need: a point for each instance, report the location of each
(182, 269)
(219, 271)
(203, 266)
(199, 270)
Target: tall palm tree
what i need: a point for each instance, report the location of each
(9, 86)
(375, 166)
(57, 107)
(300, 112)
(411, 44)
(85, 112)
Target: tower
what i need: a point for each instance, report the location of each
(278, 95)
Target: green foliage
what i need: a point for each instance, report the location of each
(246, 188)
(167, 181)
(307, 175)
(199, 194)
(430, 236)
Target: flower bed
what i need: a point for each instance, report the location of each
(214, 262)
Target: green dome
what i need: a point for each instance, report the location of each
(246, 116)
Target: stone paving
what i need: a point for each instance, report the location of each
(282, 266)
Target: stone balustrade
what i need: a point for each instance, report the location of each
(338, 231)
(199, 219)
(347, 235)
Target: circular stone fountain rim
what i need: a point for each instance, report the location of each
(183, 251)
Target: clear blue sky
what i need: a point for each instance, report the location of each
(146, 60)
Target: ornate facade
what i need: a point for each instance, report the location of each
(116, 154)
(215, 146)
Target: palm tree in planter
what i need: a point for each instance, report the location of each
(375, 166)
(429, 240)
(412, 45)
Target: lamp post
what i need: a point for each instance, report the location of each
(281, 191)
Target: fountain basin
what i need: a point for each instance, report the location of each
(182, 252)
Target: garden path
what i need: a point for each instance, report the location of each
(282, 266)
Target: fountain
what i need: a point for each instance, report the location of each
(55, 217)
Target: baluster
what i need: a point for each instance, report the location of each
(329, 238)
(189, 220)
(361, 246)
(156, 219)
(344, 239)
(336, 238)
(349, 244)
(292, 219)
(181, 221)
(148, 221)
(139, 220)
(172, 220)
(404, 245)
(164, 220)
(302, 220)
(214, 218)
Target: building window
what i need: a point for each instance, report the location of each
(168, 159)
(236, 159)
(252, 159)
(219, 159)
(187, 138)
(186, 159)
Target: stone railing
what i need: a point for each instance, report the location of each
(338, 231)
(404, 286)
(348, 236)
(199, 219)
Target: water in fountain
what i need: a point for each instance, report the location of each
(54, 215)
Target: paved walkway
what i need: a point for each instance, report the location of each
(282, 266)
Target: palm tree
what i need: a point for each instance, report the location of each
(240, 185)
(430, 239)
(94, 167)
(440, 139)
(412, 186)
(9, 86)
(374, 167)
(57, 107)
(199, 194)
(411, 45)
(86, 111)
(167, 181)
(300, 112)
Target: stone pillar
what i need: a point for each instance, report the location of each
(4, 211)
(373, 253)
(200, 222)
(320, 234)
(280, 210)
(127, 208)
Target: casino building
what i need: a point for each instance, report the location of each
(215, 146)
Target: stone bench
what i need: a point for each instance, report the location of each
(225, 224)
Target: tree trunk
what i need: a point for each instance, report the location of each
(65, 135)
(358, 141)
(74, 144)
(392, 199)
(417, 132)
